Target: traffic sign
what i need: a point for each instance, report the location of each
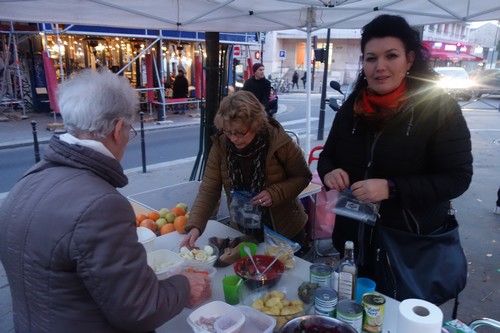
(236, 51)
(282, 54)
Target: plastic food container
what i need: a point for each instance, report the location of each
(200, 267)
(200, 255)
(256, 321)
(249, 294)
(210, 312)
(146, 238)
(230, 322)
(165, 263)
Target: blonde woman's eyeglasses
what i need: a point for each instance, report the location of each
(237, 134)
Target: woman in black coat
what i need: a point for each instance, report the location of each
(397, 141)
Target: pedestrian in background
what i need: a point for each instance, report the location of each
(397, 141)
(180, 90)
(497, 208)
(295, 80)
(273, 103)
(304, 79)
(259, 85)
(69, 242)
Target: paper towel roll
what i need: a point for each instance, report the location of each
(418, 316)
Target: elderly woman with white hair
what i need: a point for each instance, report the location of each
(68, 243)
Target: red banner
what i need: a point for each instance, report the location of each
(50, 77)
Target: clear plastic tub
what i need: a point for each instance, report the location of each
(230, 322)
(165, 263)
(209, 311)
(256, 321)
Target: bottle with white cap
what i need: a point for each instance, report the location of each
(348, 273)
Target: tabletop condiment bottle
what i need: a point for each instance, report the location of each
(348, 273)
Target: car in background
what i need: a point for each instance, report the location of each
(456, 82)
(487, 82)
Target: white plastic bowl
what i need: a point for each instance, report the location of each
(210, 261)
(213, 309)
(165, 263)
(146, 238)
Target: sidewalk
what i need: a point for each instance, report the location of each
(18, 132)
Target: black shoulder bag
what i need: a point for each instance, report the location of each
(432, 267)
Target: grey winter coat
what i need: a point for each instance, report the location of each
(70, 250)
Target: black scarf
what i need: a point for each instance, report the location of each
(247, 166)
(247, 172)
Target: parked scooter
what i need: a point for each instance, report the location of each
(333, 102)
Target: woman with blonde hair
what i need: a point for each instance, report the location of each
(252, 153)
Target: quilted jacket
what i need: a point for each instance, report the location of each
(70, 250)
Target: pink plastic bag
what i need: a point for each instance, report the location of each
(325, 221)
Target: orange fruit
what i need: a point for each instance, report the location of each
(150, 224)
(140, 217)
(166, 228)
(179, 211)
(180, 224)
(154, 215)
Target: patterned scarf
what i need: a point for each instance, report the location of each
(247, 172)
(247, 166)
(379, 109)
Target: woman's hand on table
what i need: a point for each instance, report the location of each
(263, 199)
(199, 288)
(190, 238)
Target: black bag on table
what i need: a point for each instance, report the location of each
(432, 267)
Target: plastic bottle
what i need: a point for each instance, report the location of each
(348, 273)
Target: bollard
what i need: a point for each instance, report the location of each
(143, 144)
(35, 142)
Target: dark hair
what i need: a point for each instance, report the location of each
(396, 26)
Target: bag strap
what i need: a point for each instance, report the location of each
(455, 309)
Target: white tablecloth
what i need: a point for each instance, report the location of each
(179, 323)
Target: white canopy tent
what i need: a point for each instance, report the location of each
(245, 15)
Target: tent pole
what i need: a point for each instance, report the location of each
(308, 88)
(321, 123)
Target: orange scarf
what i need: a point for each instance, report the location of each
(370, 103)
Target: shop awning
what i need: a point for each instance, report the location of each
(452, 56)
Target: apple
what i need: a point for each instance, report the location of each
(160, 222)
(182, 205)
(170, 217)
(163, 212)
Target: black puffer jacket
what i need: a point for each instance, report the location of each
(70, 250)
(425, 150)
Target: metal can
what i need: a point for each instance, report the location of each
(350, 313)
(320, 274)
(325, 301)
(373, 312)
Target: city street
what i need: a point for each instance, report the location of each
(171, 162)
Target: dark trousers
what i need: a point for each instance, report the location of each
(498, 197)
